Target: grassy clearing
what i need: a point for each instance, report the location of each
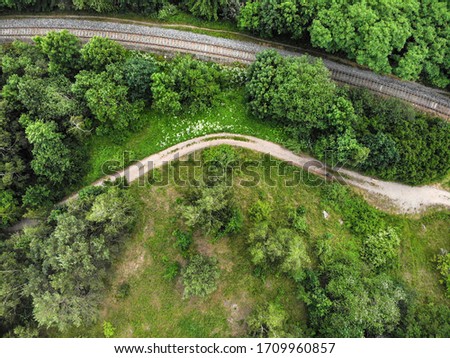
(155, 307)
(162, 131)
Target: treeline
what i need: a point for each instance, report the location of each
(56, 93)
(408, 38)
(140, 6)
(350, 127)
(53, 275)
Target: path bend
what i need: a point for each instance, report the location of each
(400, 198)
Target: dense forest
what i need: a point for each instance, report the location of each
(57, 94)
(407, 38)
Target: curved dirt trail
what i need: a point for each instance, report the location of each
(395, 196)
(399, 197)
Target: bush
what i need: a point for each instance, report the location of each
(108, 329)
(358, 215)
(172, 270)
(297, 219)
(296, 92)
(100, 52)
(443, 266)
(211, 209)
(425, 320)
(200, 276)
(123, 290)
(183, 241)
(278, 249)
(389, 129)
(381, 250)
(186, 82)
(221, 155)
(268, 321)
(137, 73)
(260, 211)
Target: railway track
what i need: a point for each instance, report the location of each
(220, 50)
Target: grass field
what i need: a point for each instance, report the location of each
(155, 307)
(162, 131)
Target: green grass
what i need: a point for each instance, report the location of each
(155, 307)
(162, 131)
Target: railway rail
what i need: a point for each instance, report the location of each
(221, 50)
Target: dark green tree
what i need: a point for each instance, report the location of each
(100, 52)
(63, 51)
(51, 157)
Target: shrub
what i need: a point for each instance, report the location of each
(268, 320)
(183, 240)
(211, 209)
(200, 276)
(296, 92)
(186, 82)
(278, 249)
(100, 52)
(297, 219)
(443, 266)
(172, 270)
(260, 211)
(108, 329)
(123, 290)
(223, 155)
(381, 250)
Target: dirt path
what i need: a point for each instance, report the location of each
(398, 197)
(388, 196)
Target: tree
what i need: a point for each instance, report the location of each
(381, 250)
(96, 5)
(270, 18)
(383, 151)
(13, 166)
(425, 320)
(208, 9)
(279, 248)
(9, 208)
(100, 52)
(212, 209)
(360, 307)
(107, 100)
(409, 38)
(47, 99)
(137, 74)
(114, 211)
(268, 321)
(389, 128)
(22, 58)
(200, 276)
(185, 82)
(51, 158)
(63, 262)
(296, 92)
(62, 49)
